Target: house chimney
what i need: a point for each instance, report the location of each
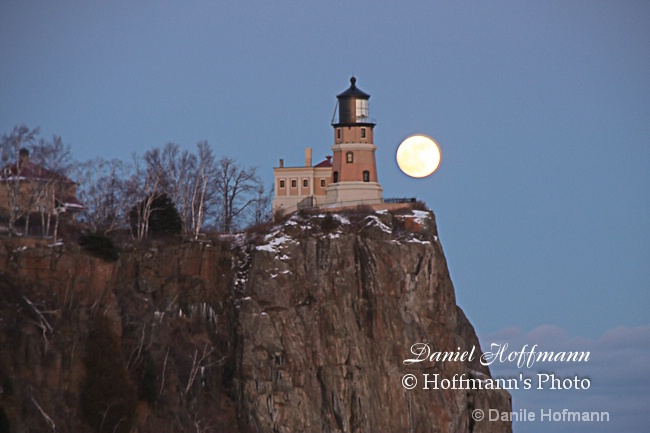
(308, 157)
(23, 156)
(281, 163)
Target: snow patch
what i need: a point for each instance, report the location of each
(417, 241)
(342, 219)
(276, 272)
(274, 244)
(374, 221)
(420, 216)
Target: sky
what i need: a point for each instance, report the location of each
(541, 110)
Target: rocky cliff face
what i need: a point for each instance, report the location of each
(304, 328)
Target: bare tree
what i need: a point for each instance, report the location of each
(204, 191)
(261, 206)
(142, 187)
(53, 155)
(33, 196)
(52, 163)
(102, 190)
(165, 161)
(183, 195)
(236, 186)
(189, 180)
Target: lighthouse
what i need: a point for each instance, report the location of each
(354, 168)
(348, 178)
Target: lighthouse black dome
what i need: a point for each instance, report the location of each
(353, 91)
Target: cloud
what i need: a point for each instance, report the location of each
(618, 371)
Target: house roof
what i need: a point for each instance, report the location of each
(30, 171)
(326, 163)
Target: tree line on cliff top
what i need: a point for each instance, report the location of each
(200, 190)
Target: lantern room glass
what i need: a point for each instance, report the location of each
(362, 109)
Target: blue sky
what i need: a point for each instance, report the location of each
(541, 109)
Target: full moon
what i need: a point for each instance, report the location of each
(418, 156)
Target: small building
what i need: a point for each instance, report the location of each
(348, 177)
(27, 189)
(302, 187)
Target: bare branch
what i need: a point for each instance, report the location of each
(196, 366)
(162, 381)
(44, 321)
(137, 351)
(49, 420)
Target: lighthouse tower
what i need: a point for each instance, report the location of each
(354, 169)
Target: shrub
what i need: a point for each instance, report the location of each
(328, 223)
(280, 216)
(420, 205)
(259, 228)
(100, 245)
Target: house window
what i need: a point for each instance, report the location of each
(366, 176)
(322, 183)
(281, 184)
(338, 133)
(293, 183)
(336, 177)
(305, 183)
(349, 157)
(363, 132)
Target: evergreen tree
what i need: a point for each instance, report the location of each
(164, 218)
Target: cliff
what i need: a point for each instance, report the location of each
(302, 328)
